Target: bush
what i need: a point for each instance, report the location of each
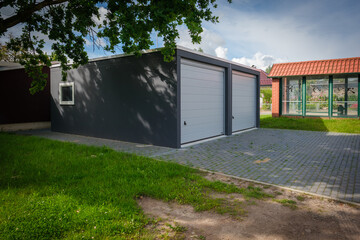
(267, 93)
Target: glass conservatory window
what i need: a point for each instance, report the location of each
(345, 96)
(317, 96)
(291, 96)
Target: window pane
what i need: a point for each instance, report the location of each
(66, 93)
(291, 96)
(339, 97)
(353, 96)
(317, 96)
(345, 96)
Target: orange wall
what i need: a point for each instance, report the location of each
(275, 97)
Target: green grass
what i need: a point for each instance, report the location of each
(177, 228)
(58, 190)
(311, 124)
(300, 198)
(287, 203)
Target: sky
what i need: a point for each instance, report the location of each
(260, 32)
(263, 32)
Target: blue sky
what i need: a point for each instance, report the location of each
(262, 32)
(258, 32)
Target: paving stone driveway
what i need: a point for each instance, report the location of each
(317, 162)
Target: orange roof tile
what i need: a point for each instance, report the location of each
(319, 67)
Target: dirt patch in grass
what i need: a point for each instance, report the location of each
(288, 215)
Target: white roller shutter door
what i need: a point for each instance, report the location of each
(202, 101)
(243, 101)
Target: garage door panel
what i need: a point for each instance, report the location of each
(199, 114)
(207, 73)
(203, 107)
(202, 130)
(243, 101)
(202, 101)
(197, 80)
(209, 77)
(201, 85)
(201, 92)
(200, 124)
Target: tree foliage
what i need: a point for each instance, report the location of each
(128, 24)
(267, 94)
(268, 69)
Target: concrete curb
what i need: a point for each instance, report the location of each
(282, 187)
(24, 126)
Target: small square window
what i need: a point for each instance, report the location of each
(66, 93)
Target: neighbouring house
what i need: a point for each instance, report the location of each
(146, 100)
(265, 81)
(323, 88)
(17, 105)
(265, 91)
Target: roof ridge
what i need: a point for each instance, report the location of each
(323, 60)
(316, 67)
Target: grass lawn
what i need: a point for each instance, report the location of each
(325, 125)
(51, 189)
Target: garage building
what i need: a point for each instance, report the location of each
(18, 108)
(146, 100)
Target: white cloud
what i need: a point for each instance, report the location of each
(259, 60)
(97, 54)
(100, 42)
(210, 41)
(87, 42)
(298, 33)
(6, 12)
(102, 16)
(221, 52)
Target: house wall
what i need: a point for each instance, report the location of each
(17, 105)
(275, 97)
(126, 98)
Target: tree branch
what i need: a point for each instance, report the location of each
(24, 14)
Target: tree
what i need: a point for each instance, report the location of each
(268, 69)
(128, 24)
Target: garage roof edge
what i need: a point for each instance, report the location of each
(216, 58)
(159, 49)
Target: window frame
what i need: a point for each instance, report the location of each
(66, 84)
(346, 78)
(309, 78)
(282, 91)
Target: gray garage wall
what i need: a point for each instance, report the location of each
(126, 98)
